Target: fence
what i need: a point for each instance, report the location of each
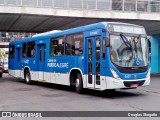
(12, 36)
(120, 5)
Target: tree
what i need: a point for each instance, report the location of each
(3, 54)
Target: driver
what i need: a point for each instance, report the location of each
(113, 55)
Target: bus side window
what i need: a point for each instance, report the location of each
(31, 49)
(104, 49)
(97, 48)
(69, 48)
(40, 53)
(57, 46)
(74, 44)
(24, 50)
(79, 47)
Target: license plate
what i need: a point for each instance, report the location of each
(134, 85)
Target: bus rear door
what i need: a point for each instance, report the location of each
(18, 61)
(41, 60)
(93, 64)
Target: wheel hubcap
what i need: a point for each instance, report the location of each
(77, 82)
(27, 78)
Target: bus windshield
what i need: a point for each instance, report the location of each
(129, 51)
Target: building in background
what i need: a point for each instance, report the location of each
(5, 38)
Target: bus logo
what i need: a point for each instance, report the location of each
(135, 76)
(138, 61)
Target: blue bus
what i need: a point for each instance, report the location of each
(101, 56)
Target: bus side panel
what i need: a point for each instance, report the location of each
(18, 61)
(11, 67)
(60, 66)
(49, 75)
(29, 63)
(11, 62)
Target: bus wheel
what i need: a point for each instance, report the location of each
(79, 83)
(27, 77)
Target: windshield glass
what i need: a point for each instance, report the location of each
(127, 51)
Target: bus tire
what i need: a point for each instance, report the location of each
(28, 78)
(79, 83)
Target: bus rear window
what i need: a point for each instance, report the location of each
(11, 51)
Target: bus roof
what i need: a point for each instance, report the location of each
(100, 25)
(68, 31)
(47, 33)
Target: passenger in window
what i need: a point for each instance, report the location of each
(80, 50)
(58, 52)
(33, 51)
(24, 53)
(61, 50)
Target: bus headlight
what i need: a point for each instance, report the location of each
(149, 72)
(115, 75)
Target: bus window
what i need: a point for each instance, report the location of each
(97, 48)
(11, 51)
(78, 44)
(30, 49)
(90, 73)
(104, 49)
(24, 50)
(57, 46)
(90, 50)
(98, 73)
(40, 53)
(74, 44)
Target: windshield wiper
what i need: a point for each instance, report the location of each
(125, 41)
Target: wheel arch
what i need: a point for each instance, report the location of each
(73, 71)
(26, 68)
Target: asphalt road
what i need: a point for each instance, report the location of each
(15, 95)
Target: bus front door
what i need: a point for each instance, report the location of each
(93, 66)
(41, 59)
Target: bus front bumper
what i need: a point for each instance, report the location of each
(112, 83)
